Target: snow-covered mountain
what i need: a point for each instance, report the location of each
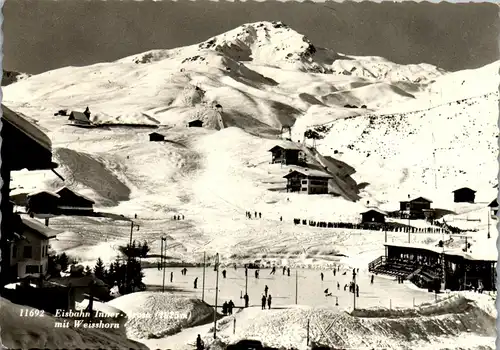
(420, 128)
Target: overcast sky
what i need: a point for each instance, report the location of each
(44, 34)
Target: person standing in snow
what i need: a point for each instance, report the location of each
(224, 308)
(255, 215)
(230, 306)
(266, 288)
(171, 277)
(269, 298)
(199, 343)
(263, 302)
(260, 215)
(196, 283)
(322, 276)
(246, 299)
(224, 273)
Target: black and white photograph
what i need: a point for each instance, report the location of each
(292, 175)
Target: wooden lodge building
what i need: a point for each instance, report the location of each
(79, 118)
(197, 123)
(287, 154)
(24, 146)
(307, 181)
(156, 137)
(62, 202)
(72, 203)
(373, 215)
(415, 208)
(423, 265)
(464, 195)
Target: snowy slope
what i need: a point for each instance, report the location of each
(263, 75)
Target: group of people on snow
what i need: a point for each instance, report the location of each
(256, 215)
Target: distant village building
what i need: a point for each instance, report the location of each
(155, 137)
(79, 118)
(30, 250)
(286, 154)
(414, 208)
(42, 202)
(72, 203)
(373, 216)
(464, 195)
(494, 207)
(195, 123)
(307, 181)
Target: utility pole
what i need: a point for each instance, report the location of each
(203, 291)
(489, 214)
(246, 280)
(216, 293)
(354, 287)
(163, 250)
(296, 286)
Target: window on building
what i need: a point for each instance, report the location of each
(28, 252)
(32, 269)
(304, 189)
(304, 182)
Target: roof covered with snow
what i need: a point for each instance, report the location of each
(482, 255)
(37, 227)
(308, 173)
(43, 191)
(75, 193)
(375, 210)
(26, 127)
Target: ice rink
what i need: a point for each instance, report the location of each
(384, 292)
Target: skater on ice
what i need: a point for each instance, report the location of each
(266, 288)
(273, 270)
(224, 273)
(269, 298)
(288, 270)
(263, 302)
(196, 283)
(171, 277)
(246, 299)
(322, 276)
(284, 270)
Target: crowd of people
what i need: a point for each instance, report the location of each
(369, 226)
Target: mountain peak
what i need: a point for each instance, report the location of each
(269, 43)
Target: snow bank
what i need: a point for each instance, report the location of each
(156, 315)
